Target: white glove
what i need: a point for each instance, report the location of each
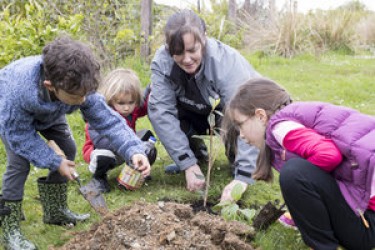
(226, 195)
(99, 152)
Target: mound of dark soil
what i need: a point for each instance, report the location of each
(164, 225)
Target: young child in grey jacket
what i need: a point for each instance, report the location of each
(35, 94)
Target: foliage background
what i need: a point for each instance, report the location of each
(112, 27)
(320, 56)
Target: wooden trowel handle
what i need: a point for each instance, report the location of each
(52, 144)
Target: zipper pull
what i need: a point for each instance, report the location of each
(365, 222)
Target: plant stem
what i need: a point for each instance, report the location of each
(210, 160)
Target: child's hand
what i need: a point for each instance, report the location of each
(226, 195)
(67, 169)
(141, 163)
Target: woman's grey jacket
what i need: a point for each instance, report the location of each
(222, 71)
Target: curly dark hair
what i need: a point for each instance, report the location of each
(71, 66)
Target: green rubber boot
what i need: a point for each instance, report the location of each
(13, 238)
(3, 209)
(53, 197)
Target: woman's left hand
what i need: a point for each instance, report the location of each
(226, 195)
(141, 163)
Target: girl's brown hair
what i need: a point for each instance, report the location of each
(258, 93)
(179, 24)
(121, 81)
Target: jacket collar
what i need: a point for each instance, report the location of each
(43, 91)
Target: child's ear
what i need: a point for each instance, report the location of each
(48, 85)
(261, 114)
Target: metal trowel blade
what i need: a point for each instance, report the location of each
(95, 198)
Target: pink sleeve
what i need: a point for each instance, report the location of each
(371, 204)
(314, 147)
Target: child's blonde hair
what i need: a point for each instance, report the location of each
(121, 81)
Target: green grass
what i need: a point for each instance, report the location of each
(339, 79)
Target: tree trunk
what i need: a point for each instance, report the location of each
(272, 6)
(232, 8)
(146, 27)
(247, 6)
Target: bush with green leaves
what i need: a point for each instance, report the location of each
(26, 33)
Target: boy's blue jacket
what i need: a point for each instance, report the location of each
(25, 109)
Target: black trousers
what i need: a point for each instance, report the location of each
(192, 123)
(320, 211)
(197, 124)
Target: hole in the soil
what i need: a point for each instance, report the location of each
(198, 206)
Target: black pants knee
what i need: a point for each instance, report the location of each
(63, 137)
(18, 168)
(320, 211)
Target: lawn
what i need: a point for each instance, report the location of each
(339, 79)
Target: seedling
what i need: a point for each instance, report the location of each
(211, 155)
(230, 210)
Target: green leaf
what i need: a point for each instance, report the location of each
(237, 192)
(214, 102)
(199, 176)
(211, 120)
(217, 133)
(218, 207)
(230, 212)
(247, 213)
(219, 112)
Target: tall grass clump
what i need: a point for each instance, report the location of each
(333, 30)
(366, 31)
(290, 32)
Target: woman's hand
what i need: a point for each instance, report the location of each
(226, 195)
(67, 169)
(194, 178)
(141, 163)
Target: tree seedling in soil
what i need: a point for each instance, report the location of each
(211, 155)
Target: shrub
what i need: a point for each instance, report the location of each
(26, 33)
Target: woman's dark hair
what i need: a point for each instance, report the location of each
(71, 66)
(179, 24)
(258, 93)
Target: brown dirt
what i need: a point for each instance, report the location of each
(164, 225)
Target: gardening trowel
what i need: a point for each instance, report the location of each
(268, 215)
(89, 192)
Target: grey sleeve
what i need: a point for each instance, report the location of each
(234, 71)
(162, 113)
(245, 161)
